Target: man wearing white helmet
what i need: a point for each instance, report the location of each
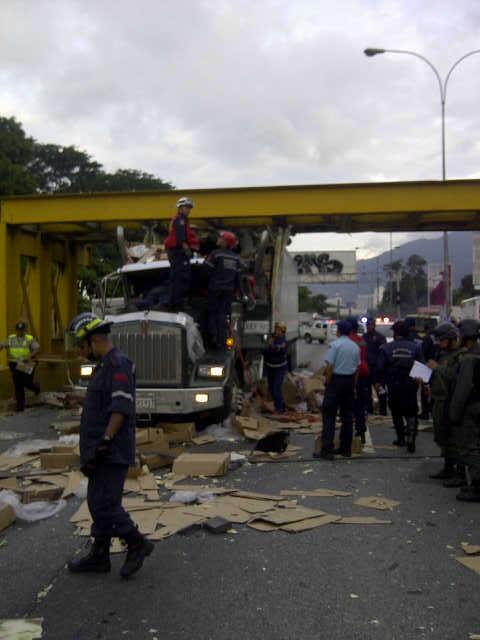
(180, 243)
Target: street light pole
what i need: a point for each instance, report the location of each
(370, 52)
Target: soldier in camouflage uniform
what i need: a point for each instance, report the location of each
(465, 409)
(445, 369)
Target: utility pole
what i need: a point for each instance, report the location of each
(378, 283)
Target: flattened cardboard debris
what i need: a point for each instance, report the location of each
(251, 506)
(281, 516)
(73, 483)
(7, 516)
(134, 472)
(41, 492)
(316, 493)
(178, 432)
(56, 479)
(472, 563)
(471, 549)
(131, 485)
(147, 482)
(9, 463)
(256, 496)
(218, 509)
(361, 520)
(59, 460)
(242, 422)
(261, 456)
(172, 522)
(11, 484)
(202, 464)
(157, 460)
(311, 523)
(376, 502)
(201, 488)
(82, 514)
(146, 520)
(204, 439)
(261, 525)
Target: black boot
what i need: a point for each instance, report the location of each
(447, 472)
(138, 549)
(97, 559)
(400, 431)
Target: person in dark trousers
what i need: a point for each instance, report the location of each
(360, 399)
(465, 410)
(21, 348)
(224, 266)
(394, 365)
(374, 340)
(430, 352)
(341, 372)
(276, 365)
(445, 365)
(107, 448)
(180, 243)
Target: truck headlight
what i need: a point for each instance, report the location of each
(201, 398)
(86, 370)
(211, 370)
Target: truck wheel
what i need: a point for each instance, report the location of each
(308, 338)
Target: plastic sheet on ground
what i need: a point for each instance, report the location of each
(223, 431)
(33, 511)
(189, 497)
(21, 629)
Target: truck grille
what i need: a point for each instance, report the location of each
(156, 350)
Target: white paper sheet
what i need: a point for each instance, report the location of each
(421, 371)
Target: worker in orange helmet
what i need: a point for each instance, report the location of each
(224, 266)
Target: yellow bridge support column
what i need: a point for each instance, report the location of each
(3, 289)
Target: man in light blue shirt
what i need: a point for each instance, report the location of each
(341, 371)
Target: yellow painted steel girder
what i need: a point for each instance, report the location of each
(402, 206)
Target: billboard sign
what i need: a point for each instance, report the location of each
(322, 267)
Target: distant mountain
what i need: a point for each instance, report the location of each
(431, 249)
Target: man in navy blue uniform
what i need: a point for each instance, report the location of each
(107, 447)
(394, 364)
(180, 243)
(374, 341)
(276, 365)
(225, 266)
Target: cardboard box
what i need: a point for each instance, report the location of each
(156, 461)
(202, 464)
(290, 391)
(178, 432)
(59, 460)
(7, 516)
(36, 494)
(242, 422)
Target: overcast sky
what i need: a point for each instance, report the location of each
(209, 93)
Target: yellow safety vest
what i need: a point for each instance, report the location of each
(19, 348)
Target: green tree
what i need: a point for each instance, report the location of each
(130, 180)
(307, 302)
(58, 169)
(466, 290)
(16, 151)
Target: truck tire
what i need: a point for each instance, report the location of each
(308, 338)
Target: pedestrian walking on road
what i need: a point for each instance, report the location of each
(21, 349)
(360, 399)
(445, 366)
(224, 280)
(180, 243)
(395, 362)
(341, 372)
(276, 365)
(107, 447)
(465, 409)
(374, 340)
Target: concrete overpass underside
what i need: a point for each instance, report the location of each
(43, 239)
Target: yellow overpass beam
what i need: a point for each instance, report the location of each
(342, 207)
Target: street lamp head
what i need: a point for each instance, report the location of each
(373, 52)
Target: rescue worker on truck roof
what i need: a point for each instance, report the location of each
(180, 243)
(225, 266)
(107, 447)
(21, 348)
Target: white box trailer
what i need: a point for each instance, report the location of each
(470, 308)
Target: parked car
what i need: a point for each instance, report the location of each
(314, 331)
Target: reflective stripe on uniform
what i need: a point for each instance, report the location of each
(19, 347)
(122, 394)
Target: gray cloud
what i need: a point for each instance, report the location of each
(246, 92)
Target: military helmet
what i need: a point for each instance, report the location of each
(446, 331)
(469, 328)
(86, 324)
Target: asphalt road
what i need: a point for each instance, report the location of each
(347, 582)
